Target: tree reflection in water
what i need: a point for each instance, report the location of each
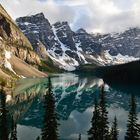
(50, 125)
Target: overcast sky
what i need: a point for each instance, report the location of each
(93, 15)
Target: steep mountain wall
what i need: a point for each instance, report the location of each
(14, 44)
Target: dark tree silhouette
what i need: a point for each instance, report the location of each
(38, 138)
(3, 114)
(50, 128)
(93, 132)
(79, 137)
(103, 119)
(114, 130)
(99, 122)
(132, 125)
(14, 130)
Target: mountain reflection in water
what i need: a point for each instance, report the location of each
(74, 101)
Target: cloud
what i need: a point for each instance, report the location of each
(52, 10)
(93, 15)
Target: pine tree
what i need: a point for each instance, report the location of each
(50, 130)
(114, 130)
(93, 132)
(14, 130)
(103, 118)
(3, 116)
(38, 138)
(132, 125)
(99, 129)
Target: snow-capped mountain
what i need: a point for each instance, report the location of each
(69, 49)
(124, 43)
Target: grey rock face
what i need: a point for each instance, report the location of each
(5, 29)
(36, 28)
(88, 43)
(125, 43)
(65, 34)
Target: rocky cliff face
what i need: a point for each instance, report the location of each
(13, 43)
(12, 36)
(69, 49)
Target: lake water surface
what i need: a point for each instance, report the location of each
(74, 101)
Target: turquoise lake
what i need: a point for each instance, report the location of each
(74, 101)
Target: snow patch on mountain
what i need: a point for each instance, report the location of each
(79, 52)
(64, 61)
(63, 47)
(118, 59)
(7, 54)
(7, 64)
(67, 62)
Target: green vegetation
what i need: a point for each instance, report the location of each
(99, 124)
(50, 130)
(93, 132)
(133, 129)
(87, 68)
(100, 128)
(8, 72)
(48, 66)
(103, 127)
(114, 130)
(9, 82)
(127, 73)
(3, 116)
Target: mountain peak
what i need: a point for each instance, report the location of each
(32, 18)
(81, 31)
(39, 15)
(4, 13)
